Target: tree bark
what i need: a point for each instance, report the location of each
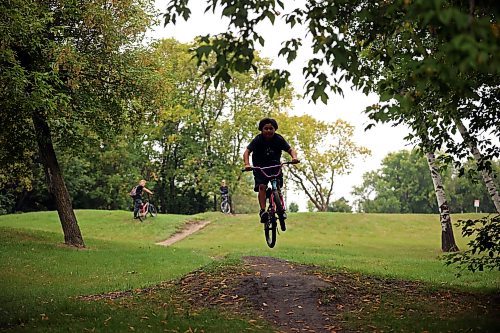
(298, 179)
(55, 181)
(487, 176)
(163, 186)
(447, 238)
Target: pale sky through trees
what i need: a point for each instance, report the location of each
(381, 139)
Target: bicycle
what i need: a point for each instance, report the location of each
(145, 209)
(225, 206)
(276, 206)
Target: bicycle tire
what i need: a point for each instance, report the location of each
(225, 207)
(152, 210)
(270, 228)
(141, 217)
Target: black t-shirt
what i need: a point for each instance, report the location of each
(138, 192)
(224, 190)
(266, 153)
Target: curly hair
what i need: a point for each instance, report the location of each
(266, 121)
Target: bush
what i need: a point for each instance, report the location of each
(484, 249)
(293, 207)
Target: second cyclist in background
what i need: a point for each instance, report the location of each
(266, 150)
(225, 201)
(136, 194)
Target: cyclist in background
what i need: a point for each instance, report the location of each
(224, 193)
(137, 196)
(224, 190)
(266, 151)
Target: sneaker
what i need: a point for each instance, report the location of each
(282, 225)
(264, 216)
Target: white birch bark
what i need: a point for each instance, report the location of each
(447, 238)
(487, 177)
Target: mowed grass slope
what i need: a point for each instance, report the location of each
(38, 273)
(40, 276)
(389, 245)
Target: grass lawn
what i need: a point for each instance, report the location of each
(40, 277)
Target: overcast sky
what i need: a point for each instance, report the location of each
(381, 140)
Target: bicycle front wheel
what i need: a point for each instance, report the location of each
(225, 207)
(152, 211)
(141, 216)
(270, 230)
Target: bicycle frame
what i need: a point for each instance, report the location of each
(225, 205)
(146, 208)
(143, 210)
(273, 180)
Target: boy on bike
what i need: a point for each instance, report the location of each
(266, 151)
(138, 196)
(224, 190)
(224, 193)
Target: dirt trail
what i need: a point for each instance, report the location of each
(285, 294)
(282, 292)
(190, 228)
(299, 298)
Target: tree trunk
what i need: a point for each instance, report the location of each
(487, 177)
(55, 181)
(163, 186)
(447, 239)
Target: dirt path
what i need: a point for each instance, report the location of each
(280, 291)
(285, 294)
(190, 228)
(301, 298)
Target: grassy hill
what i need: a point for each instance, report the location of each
(40, 277)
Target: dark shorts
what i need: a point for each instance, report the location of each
(259, 179)
(137, 204)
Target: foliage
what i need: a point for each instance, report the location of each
(102, 177)
(409, 52)
(484, 249)
(340, 205)
(293, 207)
(195, 132)
(311, 207)
(434, 63)
(181, 135)
(72, 61)
(403, 185)
(463, 189)
(325, 149)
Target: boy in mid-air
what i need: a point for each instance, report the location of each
(266, 151)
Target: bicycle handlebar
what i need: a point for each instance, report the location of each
(261, 169)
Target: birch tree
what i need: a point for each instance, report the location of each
(486, 173)
(447, 238)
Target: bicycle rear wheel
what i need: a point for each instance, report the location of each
(270, 230)
(152, 210)
(225, 208)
